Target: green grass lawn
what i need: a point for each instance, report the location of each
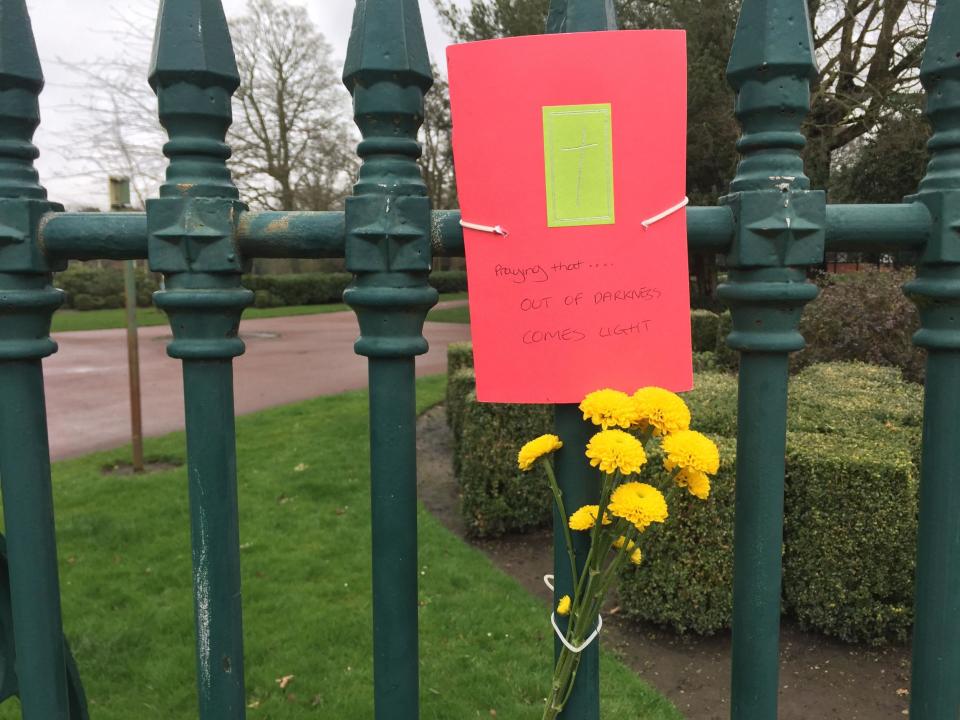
(451, 315)
(69, 320)
(124, 547)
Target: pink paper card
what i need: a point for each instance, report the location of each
(574, 145)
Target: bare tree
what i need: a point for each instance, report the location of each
(116, 130)
(292, 135)
(435, 137)
(869, 53)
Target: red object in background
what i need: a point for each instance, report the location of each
(557, 312)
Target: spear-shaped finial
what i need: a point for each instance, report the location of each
(940, 75)
(771, 66)
(581, 16)
(21, 81)
(194, 73)
(387, 43)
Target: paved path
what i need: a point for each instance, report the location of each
(287, 359)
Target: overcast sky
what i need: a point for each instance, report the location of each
(70, 31)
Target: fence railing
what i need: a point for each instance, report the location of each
(771, 228)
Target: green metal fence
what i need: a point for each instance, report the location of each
(771, 228)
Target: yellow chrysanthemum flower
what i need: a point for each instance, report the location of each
(609, 408)
(636, 556)
(638, 503)
(618, 543)
(696, 456)
(536, 449)
(696, 482)
(563, 607)
(616, 450)
(660, 410)
(586, 517)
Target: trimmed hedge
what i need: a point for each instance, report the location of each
(497, 497)
(854, 400)
(850, 537)
(851, 501)
(93, 288)
(849, 534)
(703, 330)
(449, 281)
(460, 384)
(705, 362)
(297, 289)
(713, 403)
(686, 577)
(726, 357)
(459, 355)
(327, 287)
(459, 358)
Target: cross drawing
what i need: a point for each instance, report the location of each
(582, 149)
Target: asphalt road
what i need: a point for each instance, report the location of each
(287, 359)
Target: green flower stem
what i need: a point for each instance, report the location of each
(595, 603)
(597, 527)
(558, 498)
(581, 623)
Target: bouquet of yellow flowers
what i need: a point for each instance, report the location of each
(628, 506)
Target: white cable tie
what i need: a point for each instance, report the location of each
(666, 213)
(548, 581)
(496, 229)
(576, 650)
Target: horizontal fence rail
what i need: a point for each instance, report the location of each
(771, 229)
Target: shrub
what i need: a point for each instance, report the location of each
(298, 288)
(460, 384)
(851, 487)
(703, 330)
(496, 496)
(266, 299)
(449, 281)
(461, 381)
(726, 357)
(705, 362)
(849, 537)
(713, 403)
(863, 316)
(853, 399)
(459, 355)
(850, 526)
(846, 399)
(849, 400)
(686, 577)
(147, 285)
(93, 288)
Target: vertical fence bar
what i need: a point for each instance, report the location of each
(191, 240)
(27, 303)
(779, 229)
(575, 477)
(935, 692)
(388, 249)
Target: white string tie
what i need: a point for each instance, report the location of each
(496, 229)
(575, 649)
(666, 213)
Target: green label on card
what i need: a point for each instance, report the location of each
(578, 153)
